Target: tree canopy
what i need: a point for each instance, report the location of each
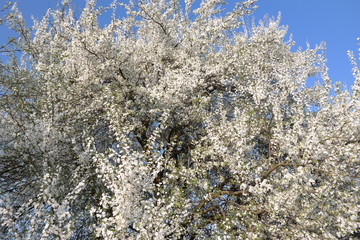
(176, 120)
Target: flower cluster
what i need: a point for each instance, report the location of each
(173, 121)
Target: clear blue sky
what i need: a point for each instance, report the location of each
(336, 22)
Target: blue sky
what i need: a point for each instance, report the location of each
(333, 21)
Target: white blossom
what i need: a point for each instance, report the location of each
(176, 120)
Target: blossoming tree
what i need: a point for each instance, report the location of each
(174, 121)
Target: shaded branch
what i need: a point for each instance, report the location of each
(282, 164)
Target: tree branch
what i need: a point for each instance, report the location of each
(282, 164)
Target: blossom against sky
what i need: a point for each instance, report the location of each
(337, 23)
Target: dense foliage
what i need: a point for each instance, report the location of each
(176, 120)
